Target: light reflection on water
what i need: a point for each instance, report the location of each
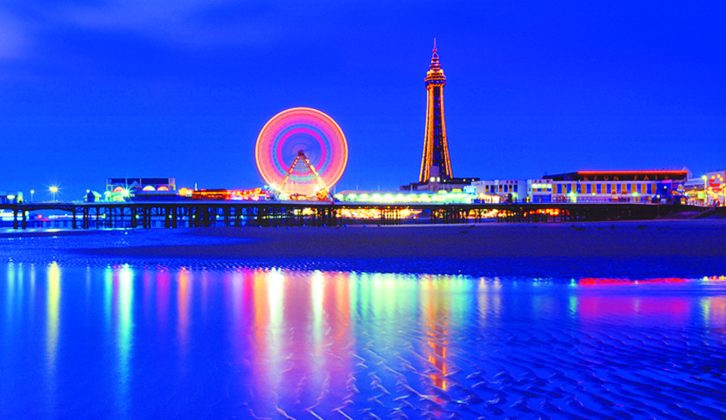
(127, 341)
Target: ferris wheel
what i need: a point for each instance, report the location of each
(301, 152)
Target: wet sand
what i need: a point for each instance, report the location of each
(463, 242)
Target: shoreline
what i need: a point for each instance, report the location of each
(591, 239)
(661, 248)
(686, 248)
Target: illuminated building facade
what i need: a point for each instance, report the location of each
(6, 198)
(436, 173)
(539, 190)
(715, 191)
(707, 190)
(253, 194)
(122, 189)
(500, 191)
(442, 196)
(644, 186)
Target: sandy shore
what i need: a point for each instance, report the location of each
(687, 248)
(622, 239)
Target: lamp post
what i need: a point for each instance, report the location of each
(53, 191)
(705, 190)
(32, 194)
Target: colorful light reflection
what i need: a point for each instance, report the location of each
(272, 342)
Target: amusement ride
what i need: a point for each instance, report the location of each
(301, 153)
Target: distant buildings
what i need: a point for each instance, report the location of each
(707, 190)
(500, 190)
(405, 197)
(10, 198)
(640, 186)
(122, 189)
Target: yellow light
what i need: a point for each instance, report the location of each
(53, 189)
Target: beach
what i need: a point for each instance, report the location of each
(692, 247)
(689, 248)
(607, 239)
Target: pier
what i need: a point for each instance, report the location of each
(198, 214)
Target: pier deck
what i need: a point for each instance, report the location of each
(174, 214)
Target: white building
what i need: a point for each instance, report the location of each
(539, 190)
(501, 191)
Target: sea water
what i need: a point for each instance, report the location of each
(94, 339)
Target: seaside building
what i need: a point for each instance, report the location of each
(252, 194)
(707, 190)
(539, 190)
(123, 189)
(500, 190)
(436, 173)
(641, 186)
(10, 198)
(441, 196)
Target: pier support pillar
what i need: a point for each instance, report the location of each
(86, 216)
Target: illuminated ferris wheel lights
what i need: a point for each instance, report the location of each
(301, 152)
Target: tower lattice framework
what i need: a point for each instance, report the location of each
(435, 162)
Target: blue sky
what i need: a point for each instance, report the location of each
(91, 89)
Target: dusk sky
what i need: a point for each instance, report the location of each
(92, 89)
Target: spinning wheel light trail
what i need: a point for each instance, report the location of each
(301, 135)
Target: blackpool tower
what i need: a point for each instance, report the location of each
(435, 162)
(436, 174)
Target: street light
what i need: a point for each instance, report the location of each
(705, 189)
(32, 193)
(53, 191)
